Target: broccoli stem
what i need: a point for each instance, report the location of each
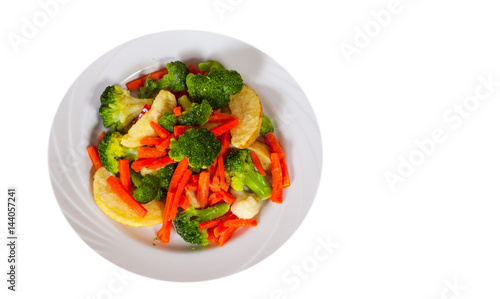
(185, 103)
(212, 212)
(258, 184)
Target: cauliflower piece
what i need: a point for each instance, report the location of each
(246, 205)
(164, 102)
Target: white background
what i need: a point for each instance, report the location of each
(435, 236)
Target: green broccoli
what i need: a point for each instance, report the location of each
(216, 86)
(266, 126)
(111, 151)
(199, 146)
(210, 65)
(118, 108)
(175, 80)
(187, 222)
(135, 177)
(240, 171)
(165, 174)
(196, 115)
(168, 121)
(153, 186)
(149, 190)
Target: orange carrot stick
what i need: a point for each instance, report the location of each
(179, 130)
(125, 174)
(150, 152)
(220, 228)
(221, 173)
(225, 235)
(179, 171)
(214, 198)
(160, 163)
(164, 232)
(165, 144)
(118, 189)
(151, 140)
(94, 156)
(159, 130)
(227, 197)
(102, 135)
(275, 147)
(218, 117)
(178, 193)
(277, 184)
(178, 111)
(203, 188)
(257, 163)
(210, 223)
(141, 163)
(184, 202)
(240, 222)
(224, 127)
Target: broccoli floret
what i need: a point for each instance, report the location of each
(266, 126)
(164, 174)
(240, 171)
(199, 146)
(187, 222)
(135, 177)
(168, 121)
(175, 80)
(149, 190)
(118, 108)
(153, 186)
(111, 151)
(197, 115)
(215, 87)
(210, 65)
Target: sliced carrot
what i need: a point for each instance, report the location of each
(210, 223)
(118, 189)
(139, 82)
(240, 222)
(195, 178)
(192, 186)
(226, 196)
(221, 173)
(137, 165)
(214, 198)
(164, 232)
(225, 140)
(123, 166)
(176, 177)
(211, 237)
(150, 152)
(169, 203)
(94, 156)
(273, 143)
(225, 235)
(226, 126)
(179, 130)
(180, 189)
(151, 140)
(212, 168)
(203, 188)
(257, 163)
(275, 147)
(165, 144)
(277, 184)
(102, 135)
(184, 202)
(160, 163)
(159, 130)
(220, 228)
(218, 117)
(215, 184)
(284, 171)
(178, 111)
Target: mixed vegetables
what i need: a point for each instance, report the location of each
(189, 148)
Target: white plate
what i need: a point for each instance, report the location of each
(77, 125)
